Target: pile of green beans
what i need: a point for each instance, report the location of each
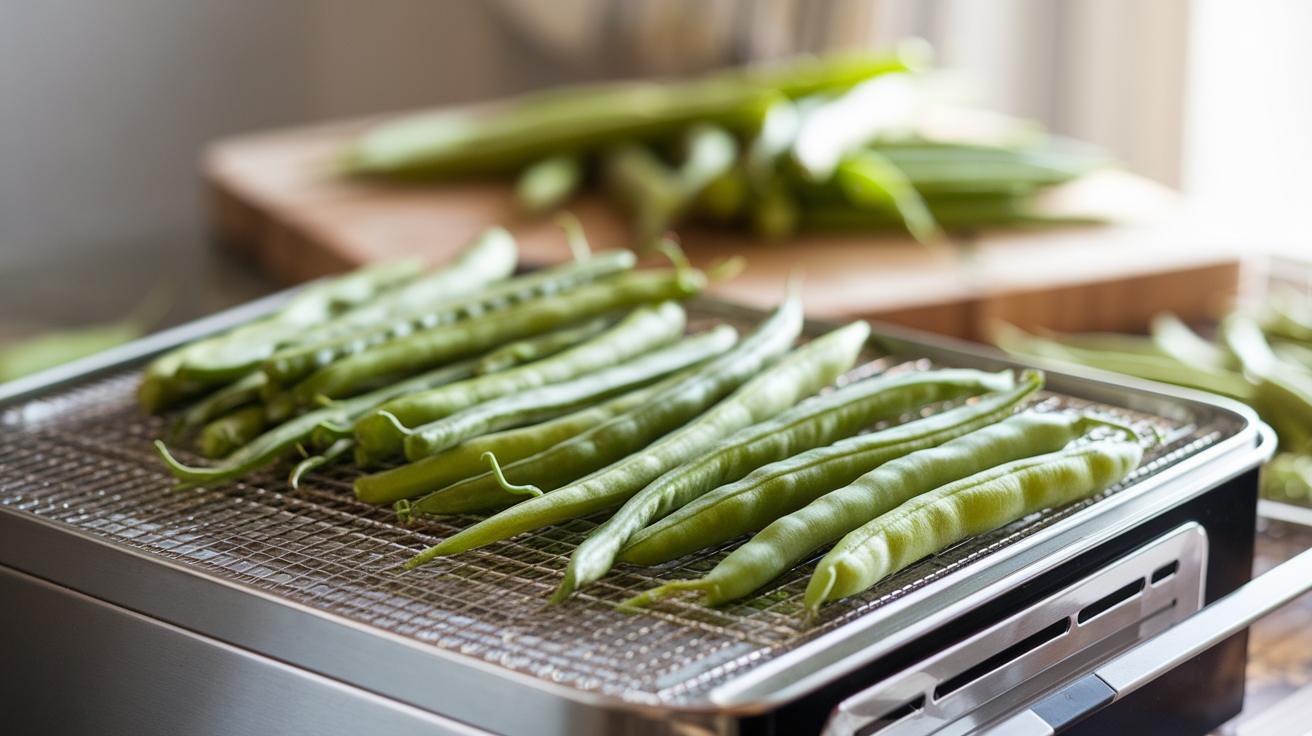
(790, 539)
(466, 341)
(845, 142)
(841, 413)
(1262, 358)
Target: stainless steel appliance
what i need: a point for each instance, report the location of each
(248, 608)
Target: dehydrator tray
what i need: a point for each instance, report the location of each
(77, 458)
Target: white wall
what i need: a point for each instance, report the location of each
(104, 104)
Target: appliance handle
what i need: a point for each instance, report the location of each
(1136, 667)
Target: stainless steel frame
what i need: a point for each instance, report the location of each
(743, 681)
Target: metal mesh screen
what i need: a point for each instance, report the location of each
(83, 458)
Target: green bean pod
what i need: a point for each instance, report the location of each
(637, 428)
(491, 258)
(1152, 367)
(970, 506)
(267, 447)
(334, 452)
(233, 396)
(586, 118)
(789, 539)
(293, 363)
(538, 347)
(423, 350)
(466, 459)
(230, 356)
(548, 184)
(230, 431)
(378, 437)
(821, 421)
(766, 494)
(548, 402)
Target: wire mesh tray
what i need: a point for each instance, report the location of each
(81, 457)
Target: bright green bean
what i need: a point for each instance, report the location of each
(267, 447)
(968, 507)
(637, 428)
(466, 459)
(233, 396)
(378, 437)
(538, 347)
(230, 431)
(294, 363)
(428, 348)
(822, 421)
(780, 488)
(548, 402)
(588, 118)
(789, 539)
(334, 452)
(230, 356)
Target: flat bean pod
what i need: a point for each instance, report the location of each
(466, 459)
(774, 490)
(627, 433)
(821, 421)
(647, 328)
(790, 539)
(267, 447)
(974, 505)
(293, 363)
(429, 348)
(557, 399)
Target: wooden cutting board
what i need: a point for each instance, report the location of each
(278, 197)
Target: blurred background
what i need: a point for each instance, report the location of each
(105, 107)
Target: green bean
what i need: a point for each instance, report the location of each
(230, 431)
(233, 396)
(957, 169)
(1152, 367)
(336, 451)
(428, 348)
(833, 131)
(1284, 391)
(974, 505)
(294, 363)
(822, 421)
(267, 447)
(647, 328)
(1296, 353)
(871, 181)
(636, 429)
(1288, 317)
(789, 539)
(1174, 338)
(648, 189)
(491, 258)
(232, 355)
(781, 488)
(466, 459)
(557, 399)
(538, 347)
(588, 118)
(548, 184)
